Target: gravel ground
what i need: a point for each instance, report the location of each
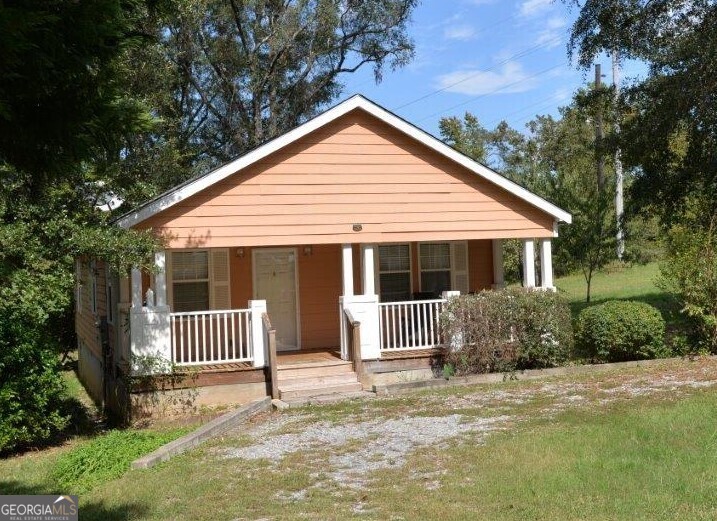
(386, 440)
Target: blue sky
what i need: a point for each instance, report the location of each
(495, 58)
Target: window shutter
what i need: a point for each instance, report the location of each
(459, 263)
(221, 296)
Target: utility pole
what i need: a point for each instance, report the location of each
(619, 202)
(599, 136)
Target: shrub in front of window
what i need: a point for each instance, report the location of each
(618, 331)
(506, 330)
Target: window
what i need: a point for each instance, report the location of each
(190, 281)
(394, 272)
(435, 261)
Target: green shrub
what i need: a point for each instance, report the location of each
(618, 331)
(507, 329)
(690, 274)
(105, 458)
(32, 392)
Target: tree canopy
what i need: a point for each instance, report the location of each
(226, 76)
(670, 127)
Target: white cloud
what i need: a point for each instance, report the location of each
(510, 78)
(551, 35)
(459, 32)
(534, 7)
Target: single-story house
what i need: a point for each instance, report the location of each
(315, 263)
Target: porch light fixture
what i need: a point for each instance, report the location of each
(308, 250)
(357, 227)
(240, 253)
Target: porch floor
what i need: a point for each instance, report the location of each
(224, 367)
(308, 356)
(333, 355)
(417, 353)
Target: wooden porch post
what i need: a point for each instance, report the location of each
(498, 276)
(348, 269)
(546, 265)
(528, 263)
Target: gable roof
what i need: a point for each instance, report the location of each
(196, 185)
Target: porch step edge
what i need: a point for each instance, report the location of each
(316, 382)
(295, 394)
(306, 365)
(305, 372)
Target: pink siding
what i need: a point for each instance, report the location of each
(356, 170)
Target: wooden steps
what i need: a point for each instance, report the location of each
(316, 378)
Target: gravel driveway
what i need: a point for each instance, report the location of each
(351, 441)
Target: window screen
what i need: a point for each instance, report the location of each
(190, 281)
(394, 272)
(435, 260)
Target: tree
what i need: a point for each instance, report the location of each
(228, 75)
(63, 118)
(670, 132)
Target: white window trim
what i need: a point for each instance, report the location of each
(377, 265)
(450, 253)
(170, 274)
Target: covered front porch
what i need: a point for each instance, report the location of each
(387, 297)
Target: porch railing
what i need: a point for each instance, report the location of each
(211, 337)
(410, 325)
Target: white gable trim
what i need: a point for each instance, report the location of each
(356, 102)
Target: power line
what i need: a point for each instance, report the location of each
(495, 91)
(520, 54)
(552, 98)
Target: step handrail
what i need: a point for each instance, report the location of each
(353, 330)
(270, 336)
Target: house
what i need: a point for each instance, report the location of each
(315, 263)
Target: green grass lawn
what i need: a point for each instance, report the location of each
(642, 457)
(621, 282)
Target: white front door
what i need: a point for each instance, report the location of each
(275, 280)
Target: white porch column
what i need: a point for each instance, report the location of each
(136, 288)
(498, 276)
(347, 257)
(364, 308)
(258, 308)
(369, 283)
(528, 263)
(546, 265)
(160, 279)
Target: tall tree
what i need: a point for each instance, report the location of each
(228, 75)
(63, 116)
(670, 132)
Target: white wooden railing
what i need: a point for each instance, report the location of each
(409, 325)
(211, 337)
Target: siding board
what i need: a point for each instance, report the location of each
(355, 170)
